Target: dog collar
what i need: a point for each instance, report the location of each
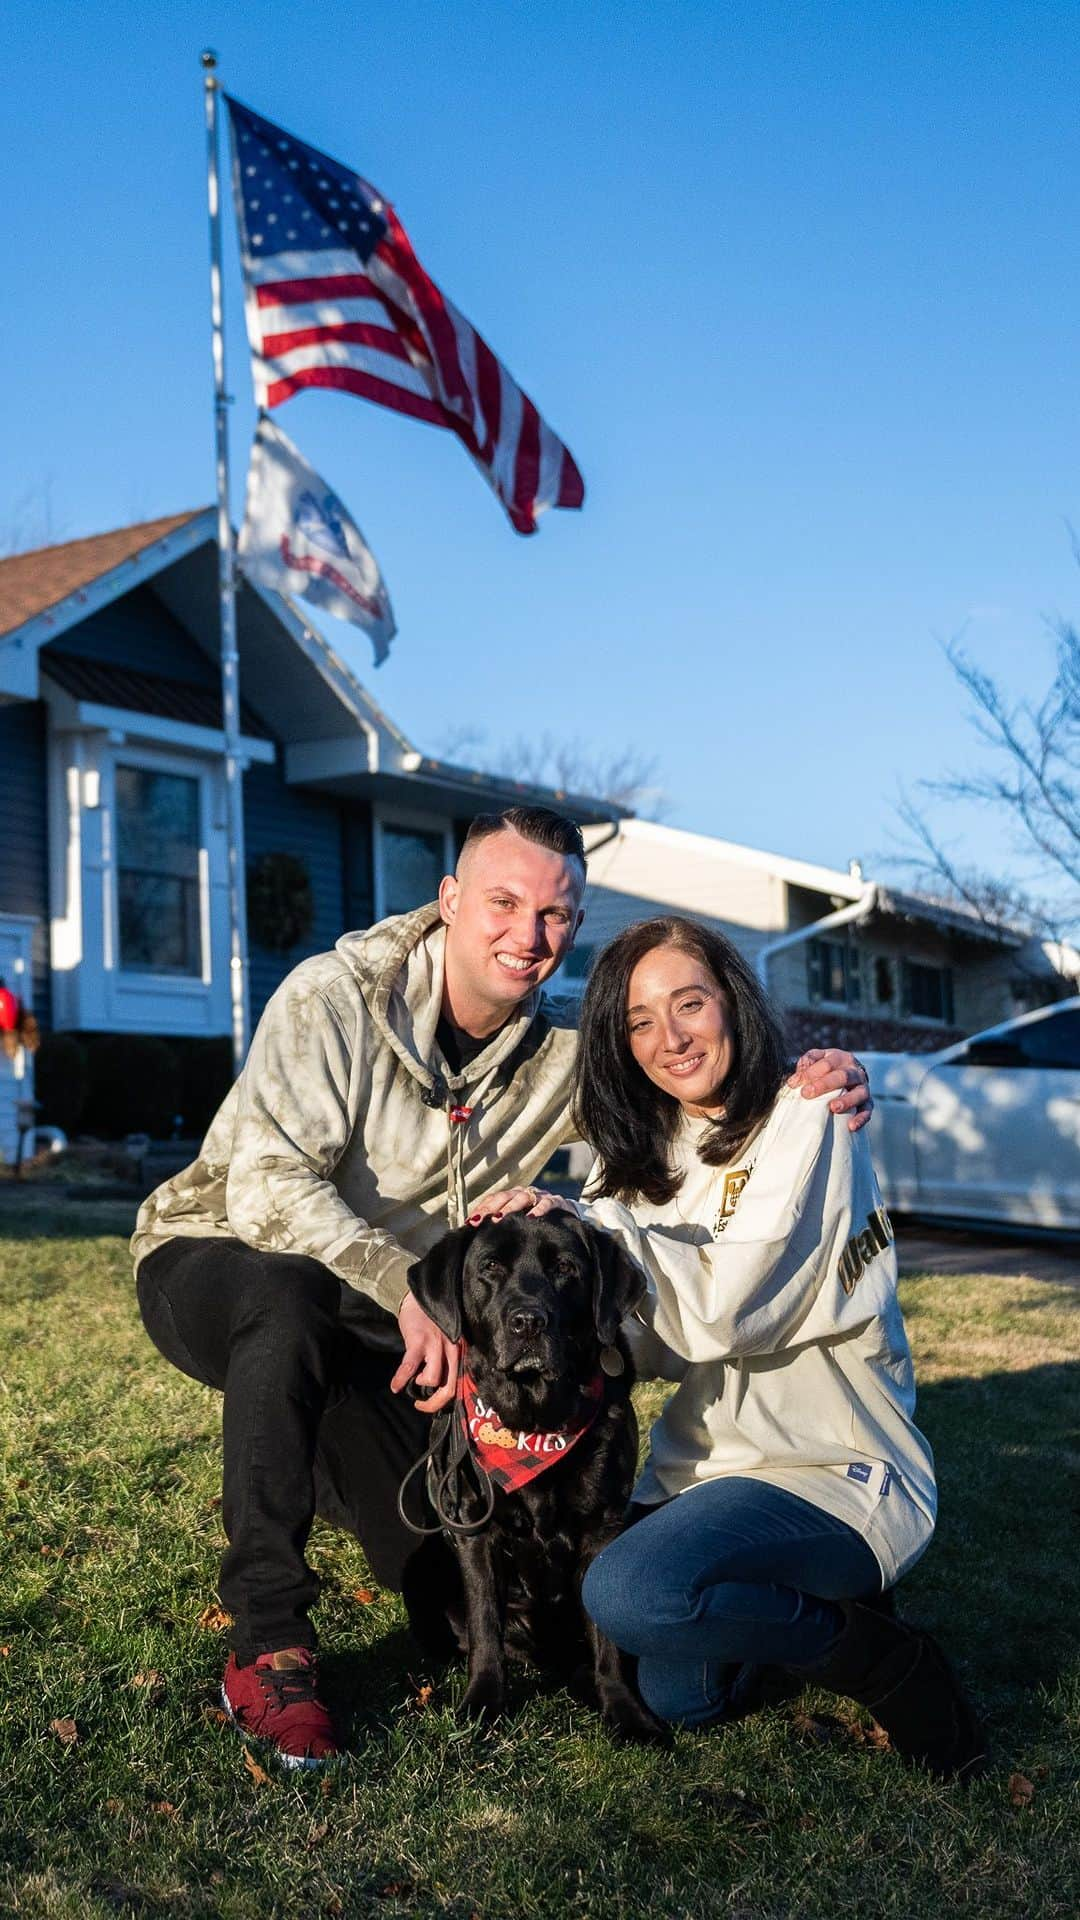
(511, 1456)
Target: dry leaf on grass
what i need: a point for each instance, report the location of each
(364, 1595)
(164, 1806)
(214, 1619)
(258, 1774)
(809, 1727)
(217, 1716)
(152, 1681)
(1021, 1790)
(65, 1730)
(318, 1833)
(4, 1653)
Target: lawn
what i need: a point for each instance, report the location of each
(122, 1793)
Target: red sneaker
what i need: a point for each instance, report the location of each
(275, 1699)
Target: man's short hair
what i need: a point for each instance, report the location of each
(542, 825)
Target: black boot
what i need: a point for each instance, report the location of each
(902, 1677)
(755, 1687)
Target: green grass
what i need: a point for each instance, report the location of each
(111, 1533)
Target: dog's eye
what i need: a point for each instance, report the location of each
(566, 1269)
(491, 1271)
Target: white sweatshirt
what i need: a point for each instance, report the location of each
(775, 1278)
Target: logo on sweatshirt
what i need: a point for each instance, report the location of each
(864, 1247)
(734, 1183)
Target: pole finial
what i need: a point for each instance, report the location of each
(208, 59)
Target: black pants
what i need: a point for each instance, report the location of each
(309, 1423)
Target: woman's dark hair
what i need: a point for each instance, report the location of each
(629, 1122)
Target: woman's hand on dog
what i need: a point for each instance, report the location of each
(430, 1358)
(495, 1206)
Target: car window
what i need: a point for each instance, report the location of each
(1053, 1042)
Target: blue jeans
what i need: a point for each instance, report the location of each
(732, 1571)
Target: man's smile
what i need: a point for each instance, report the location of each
(514, 963)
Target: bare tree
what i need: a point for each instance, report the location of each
(627, 777)
(1030, 778)
(31, 522)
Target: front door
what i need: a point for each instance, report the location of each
(16, 1075)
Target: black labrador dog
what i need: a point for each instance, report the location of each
(537, 1305)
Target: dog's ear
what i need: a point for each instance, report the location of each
(617, 1287)
(436, 1280)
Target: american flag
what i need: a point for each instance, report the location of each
(337, 298)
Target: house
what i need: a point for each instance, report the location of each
(114, 911)
(851, 962)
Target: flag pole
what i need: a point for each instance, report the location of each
(230, 670)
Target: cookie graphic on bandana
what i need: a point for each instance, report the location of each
(495, 1436)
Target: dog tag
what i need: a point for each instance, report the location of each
(612, 1362)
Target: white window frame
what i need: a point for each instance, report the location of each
(416, 821)
(91, 991)
(150, 760)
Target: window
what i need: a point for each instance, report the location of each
(833, 972)
(412, 861)
(927, 992)
(1053, 1042)
(157, 871)
(884, 987)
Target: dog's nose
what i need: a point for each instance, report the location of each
(528, 1320)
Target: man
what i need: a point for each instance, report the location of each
(390, 1084)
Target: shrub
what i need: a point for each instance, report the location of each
(205, 1078)
(60, 1081)
(135, 1085)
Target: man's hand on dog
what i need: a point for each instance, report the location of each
(430, 1358)
(828, 1070)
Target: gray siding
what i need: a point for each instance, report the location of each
(138, 631)
(282, 819)
(24, 854)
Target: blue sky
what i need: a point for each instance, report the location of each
(797, 283)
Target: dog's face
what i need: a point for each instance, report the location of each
(537, 1298)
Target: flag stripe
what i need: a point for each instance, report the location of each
(331, 286)
(352, 331)
(335, 353)
(352, 380)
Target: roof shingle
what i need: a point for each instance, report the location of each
(32, 582)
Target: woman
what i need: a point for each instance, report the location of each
(787, 1487)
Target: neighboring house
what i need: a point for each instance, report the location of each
(113, 855)
(850, 962)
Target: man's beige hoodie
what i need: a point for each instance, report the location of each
(339, 1139)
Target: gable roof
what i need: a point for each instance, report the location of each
(102, 684)
(32, 582)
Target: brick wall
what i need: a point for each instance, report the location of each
(812, 1027)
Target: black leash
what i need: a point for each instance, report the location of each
(448, 1463)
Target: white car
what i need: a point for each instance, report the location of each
(988, 1129)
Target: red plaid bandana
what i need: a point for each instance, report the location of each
(510, 1456)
